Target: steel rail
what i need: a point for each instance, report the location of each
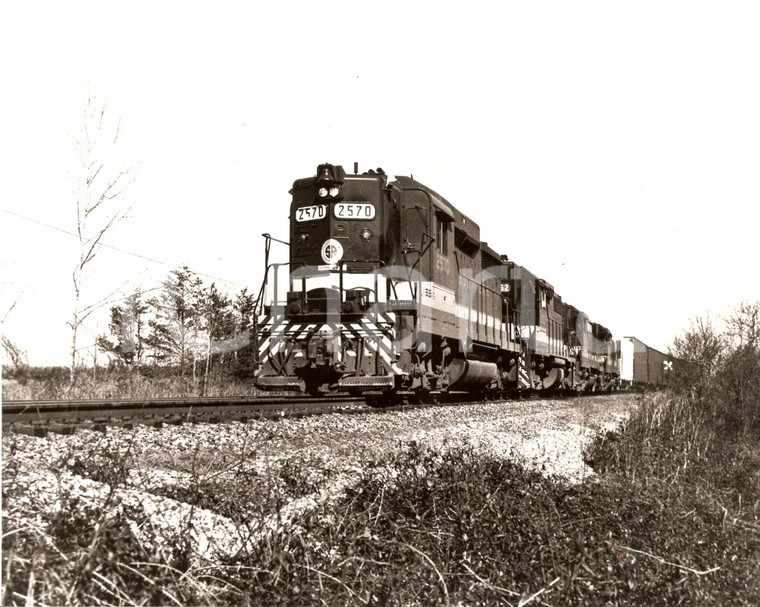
(64, 416)
(36, 415)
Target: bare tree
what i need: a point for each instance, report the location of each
(739, 381)
(12, 350)
(702, 347)
(701, 343)
(743, 324)
(101, 200)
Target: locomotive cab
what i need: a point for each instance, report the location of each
(341, 220)
(338, 223)
(597, 354)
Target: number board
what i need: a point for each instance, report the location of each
(317, 211)
(354, 210)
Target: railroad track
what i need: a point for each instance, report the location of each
(39, 417)
(64, 416)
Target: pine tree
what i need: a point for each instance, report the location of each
(126, 339)
(174, 330)
(218, 324)
(245, 351)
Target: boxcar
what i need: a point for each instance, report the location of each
(642, 366)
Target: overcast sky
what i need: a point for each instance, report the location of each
(609, 147)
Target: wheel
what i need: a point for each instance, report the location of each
(314, 390)
(551, 381)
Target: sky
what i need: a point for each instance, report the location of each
(609, 147)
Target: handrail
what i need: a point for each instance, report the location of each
(259, 303)
(377, 263)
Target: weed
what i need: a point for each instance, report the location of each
(673, 516)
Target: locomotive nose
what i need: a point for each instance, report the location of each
(340, 220)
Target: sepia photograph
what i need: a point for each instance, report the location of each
(403, 303)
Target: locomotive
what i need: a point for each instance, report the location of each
(390, 293)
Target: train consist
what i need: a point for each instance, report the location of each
(389, 292)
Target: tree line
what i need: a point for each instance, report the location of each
(723, 367)
(184, 324)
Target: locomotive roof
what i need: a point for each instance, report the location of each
(443, 205)
(487, 250)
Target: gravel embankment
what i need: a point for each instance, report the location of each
(303, 462)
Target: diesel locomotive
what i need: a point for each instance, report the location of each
(389, 292)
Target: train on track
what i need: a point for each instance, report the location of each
(390, 292)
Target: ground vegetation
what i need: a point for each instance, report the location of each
(666, 512)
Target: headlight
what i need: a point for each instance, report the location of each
(334, 191)
(322, 192)
(366, 234)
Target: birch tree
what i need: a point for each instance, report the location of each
(101, 201)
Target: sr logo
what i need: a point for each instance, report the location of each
(332, 251)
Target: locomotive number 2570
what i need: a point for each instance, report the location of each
(317, 211)
(354, 210)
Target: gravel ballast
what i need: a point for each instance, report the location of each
(175, 476)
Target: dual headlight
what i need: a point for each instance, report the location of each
(333, 192)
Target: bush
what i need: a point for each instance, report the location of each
(437, 527)
(674, 517)
(422, 526)
(119, 381)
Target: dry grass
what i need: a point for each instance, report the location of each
(674, 517)
(52, 383)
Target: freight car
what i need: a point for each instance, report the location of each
(644, 367)
(389, 291)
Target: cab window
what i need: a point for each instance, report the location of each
(443, 227)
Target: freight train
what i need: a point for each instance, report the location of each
(389, 292)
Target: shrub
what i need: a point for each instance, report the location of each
(447, 526)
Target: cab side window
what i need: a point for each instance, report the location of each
(443, 227)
